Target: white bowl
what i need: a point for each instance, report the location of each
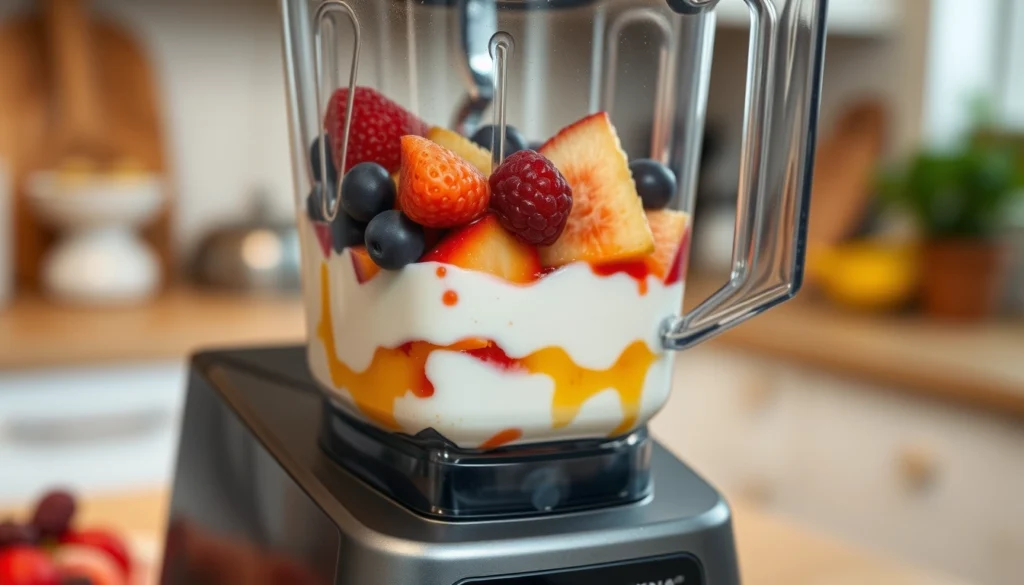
(98, 201)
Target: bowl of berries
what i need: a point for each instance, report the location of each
(50, 548)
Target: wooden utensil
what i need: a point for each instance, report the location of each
(74, 89)
(78, 124)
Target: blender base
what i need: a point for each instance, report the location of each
(253, 485)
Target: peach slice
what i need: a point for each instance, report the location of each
(607, 222)
(364, 266)
(485, 246)
(477, 156)
(671, 231)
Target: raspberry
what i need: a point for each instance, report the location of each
(378, 125)
(531, 198)
(438, 188)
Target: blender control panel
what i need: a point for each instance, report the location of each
(682, 569)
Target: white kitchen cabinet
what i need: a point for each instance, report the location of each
(89, 428)
(726, 420)
(945, 483)
(932, 483)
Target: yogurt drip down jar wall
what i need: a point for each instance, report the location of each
(469, 331)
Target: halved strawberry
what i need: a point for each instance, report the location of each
(671, 231)
(103, 540)
(378, 125)
(322, 229)
(477, 156)
(363, 265)
(485, 246)
(607, 221)
(438, 188)
(83, 561)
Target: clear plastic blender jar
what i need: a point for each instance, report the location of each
(482, 257)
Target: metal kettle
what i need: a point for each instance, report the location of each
(259, 254)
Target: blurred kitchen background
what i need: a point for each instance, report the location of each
(884, 406)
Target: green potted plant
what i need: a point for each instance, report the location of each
(960, 201)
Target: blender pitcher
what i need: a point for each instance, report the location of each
(494, 202)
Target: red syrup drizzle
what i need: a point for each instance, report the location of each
(501, 438)
(450, 298)
(425, 388)
(495, 356)
(638, 270)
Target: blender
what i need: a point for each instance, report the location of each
(494, 204)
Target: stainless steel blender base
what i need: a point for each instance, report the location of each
(250, 474)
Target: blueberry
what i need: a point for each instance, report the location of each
(313, 206)
(393, 240)
(514, 139)
(314, 160)
(536, 145)
(655, 182)
(367, 190)
(346, 232)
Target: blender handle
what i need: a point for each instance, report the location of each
(780, 117)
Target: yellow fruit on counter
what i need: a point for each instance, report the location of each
(127, 169)
(865, 275)
(75, 171)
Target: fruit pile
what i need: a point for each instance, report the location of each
(415, 193)
(48, 550)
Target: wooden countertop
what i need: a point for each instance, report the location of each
(975, 365)
(772, 551)
(36, 333)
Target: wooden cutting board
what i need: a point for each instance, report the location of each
(70, 84)
(845, 166)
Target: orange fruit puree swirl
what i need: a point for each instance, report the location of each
(393, 372)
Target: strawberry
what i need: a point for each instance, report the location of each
(86, 562)
(438, 188)
(26, 565)
(485, 246)
(322, 229)
(102, 540)
(378, 125)
(607, 221)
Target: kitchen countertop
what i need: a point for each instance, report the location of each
(978, 366)
(35, 333)
(772, 551)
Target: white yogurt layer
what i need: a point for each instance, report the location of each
(593, 318)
